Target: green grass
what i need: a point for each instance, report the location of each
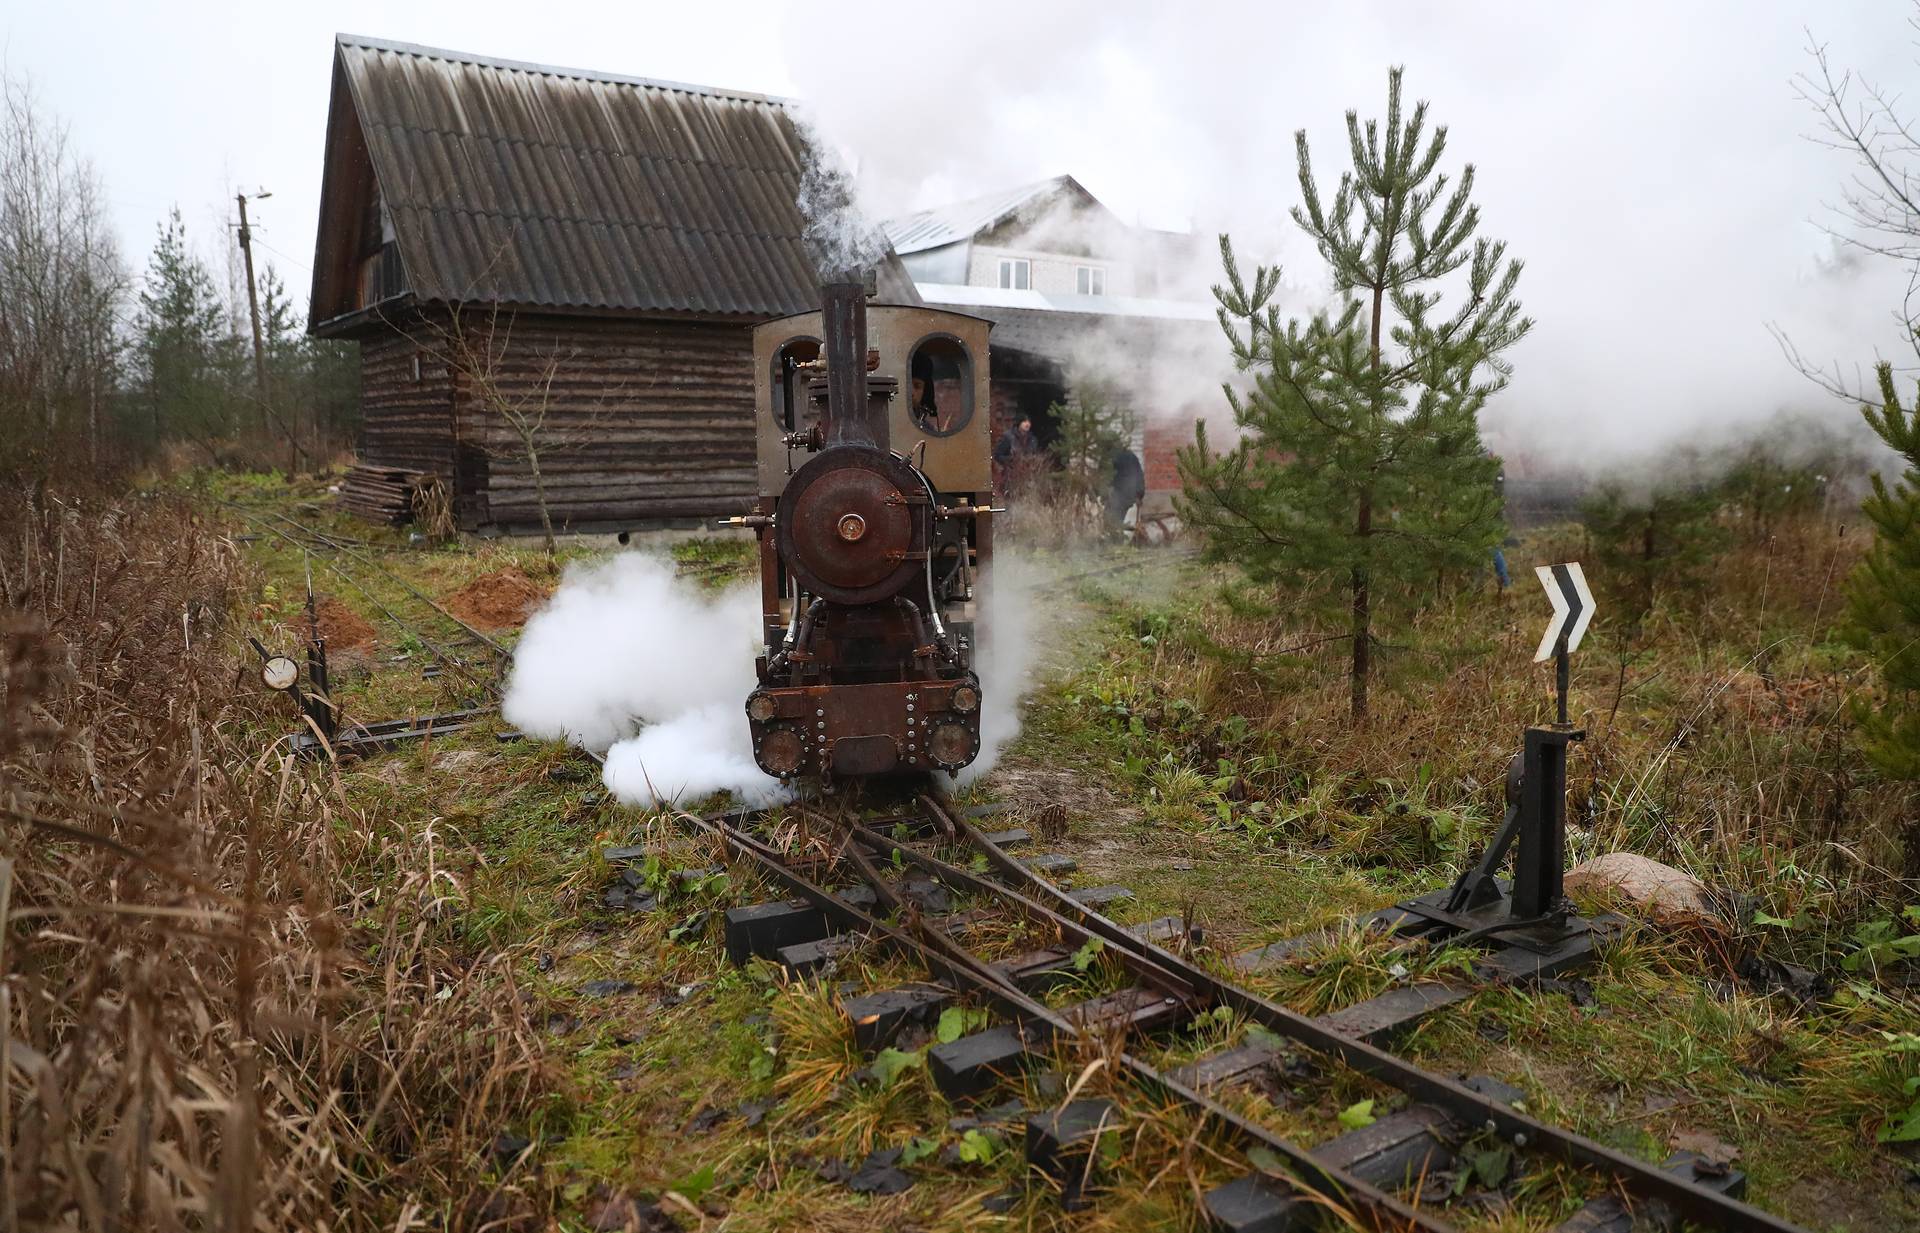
(1248, 794)
(1216, 780)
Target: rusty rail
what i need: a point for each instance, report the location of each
(1026, 892)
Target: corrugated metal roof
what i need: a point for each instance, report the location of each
(557, 188)
(949, 224)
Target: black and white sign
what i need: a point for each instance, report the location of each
(1572, 607)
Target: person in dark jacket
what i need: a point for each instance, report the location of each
(1500, 575)
(1017, 443)
(1129, 485)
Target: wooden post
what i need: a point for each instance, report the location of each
(259, 358)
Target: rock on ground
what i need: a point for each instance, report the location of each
(1669, 895)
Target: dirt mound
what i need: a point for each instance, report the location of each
(500, 600)
(342, 627)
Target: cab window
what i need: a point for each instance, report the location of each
(940, 389)
(790, 381)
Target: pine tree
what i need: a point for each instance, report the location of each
(1764, 491)
(279, 323)
(1093, 427)
(1652, 542)
(177, 341)
(315, 379)
(1359, 471)
(1883, 594)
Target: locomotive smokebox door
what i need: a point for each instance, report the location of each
(853, 525)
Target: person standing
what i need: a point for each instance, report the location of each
(1500, 495)
(1017, 443)
(1127, 487)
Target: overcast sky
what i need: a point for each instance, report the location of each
(1648, 160)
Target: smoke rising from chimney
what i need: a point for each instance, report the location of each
(840, 239)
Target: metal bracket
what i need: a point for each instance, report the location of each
(1540, 859)
(1477, 887)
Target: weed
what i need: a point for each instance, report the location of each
(816, 1044)
(957, 1021)
(1883, 943)
(1355, 963)
(239, 971)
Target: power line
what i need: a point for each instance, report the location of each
(276, 252)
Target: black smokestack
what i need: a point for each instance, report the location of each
(850, 417)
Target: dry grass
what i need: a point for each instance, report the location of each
(1719, 734)
(225, 995)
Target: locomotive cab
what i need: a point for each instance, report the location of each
(875, 526)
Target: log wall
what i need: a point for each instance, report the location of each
(404, 422)
(645, 420)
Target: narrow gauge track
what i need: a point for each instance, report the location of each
(1168, 990)
(329, 549)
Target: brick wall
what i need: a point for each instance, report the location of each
(1164, 436)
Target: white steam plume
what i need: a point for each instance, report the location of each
(1007, 655)
(839, 237)
(625, 658)
(692, 755)
(1649, 162)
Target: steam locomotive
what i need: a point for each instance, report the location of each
(875, 531)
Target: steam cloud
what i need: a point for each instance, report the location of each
(1008, 645)
(1649, 162)
(839, 237)
(626, 659)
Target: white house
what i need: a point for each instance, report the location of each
(1076, 294)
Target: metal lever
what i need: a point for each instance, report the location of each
(1477, 887)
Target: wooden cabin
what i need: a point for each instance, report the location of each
(575, 257)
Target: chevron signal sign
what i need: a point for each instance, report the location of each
(1566, 588)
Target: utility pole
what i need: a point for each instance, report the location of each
(253, 311)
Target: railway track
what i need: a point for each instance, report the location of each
(454, 644)
(922, 883)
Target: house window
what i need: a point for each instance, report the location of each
(1016, 273)
(379, 270)
(1090, 280)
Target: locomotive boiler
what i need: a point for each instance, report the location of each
(875, 528)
